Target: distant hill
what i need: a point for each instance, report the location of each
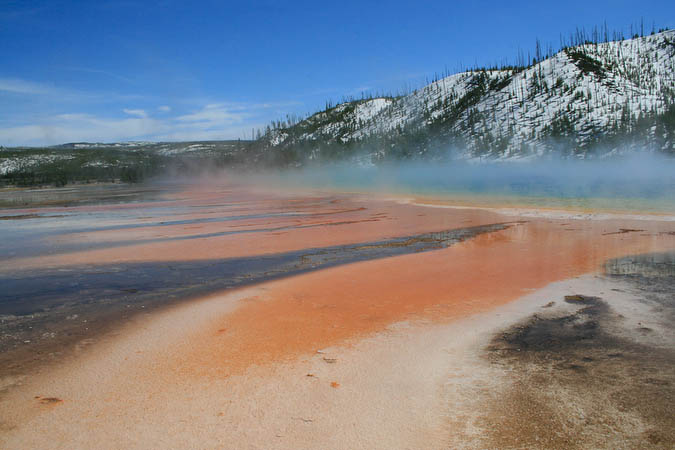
(587, 100)
(127, 162)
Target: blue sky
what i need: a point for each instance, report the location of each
(118, 70)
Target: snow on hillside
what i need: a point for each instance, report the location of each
(342, 122)
(578, 91)
(367, 110)
(17, 163)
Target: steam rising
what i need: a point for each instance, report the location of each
(641, 182)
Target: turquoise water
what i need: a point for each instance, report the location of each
(617, 186)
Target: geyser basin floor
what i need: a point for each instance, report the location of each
(51, 309)
(72, 273)
(386, 353)
(416, 384)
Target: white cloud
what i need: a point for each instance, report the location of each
(17, 86)
(188, 134)
(136, 112)
(57, 125)
(211, 122)
(213, 116)
(26, 90)
(81, 127)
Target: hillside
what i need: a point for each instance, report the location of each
(128, 162)
(586, 100)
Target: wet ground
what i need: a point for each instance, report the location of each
(85, 194)
(163, 244)
(572, 376)
(44, 311)
(599, 376)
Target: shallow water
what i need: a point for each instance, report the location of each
(84, 194)
(635, 185)
(46, 306)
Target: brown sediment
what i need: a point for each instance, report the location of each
(21, 217)
(624, 230)
(576, 375)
